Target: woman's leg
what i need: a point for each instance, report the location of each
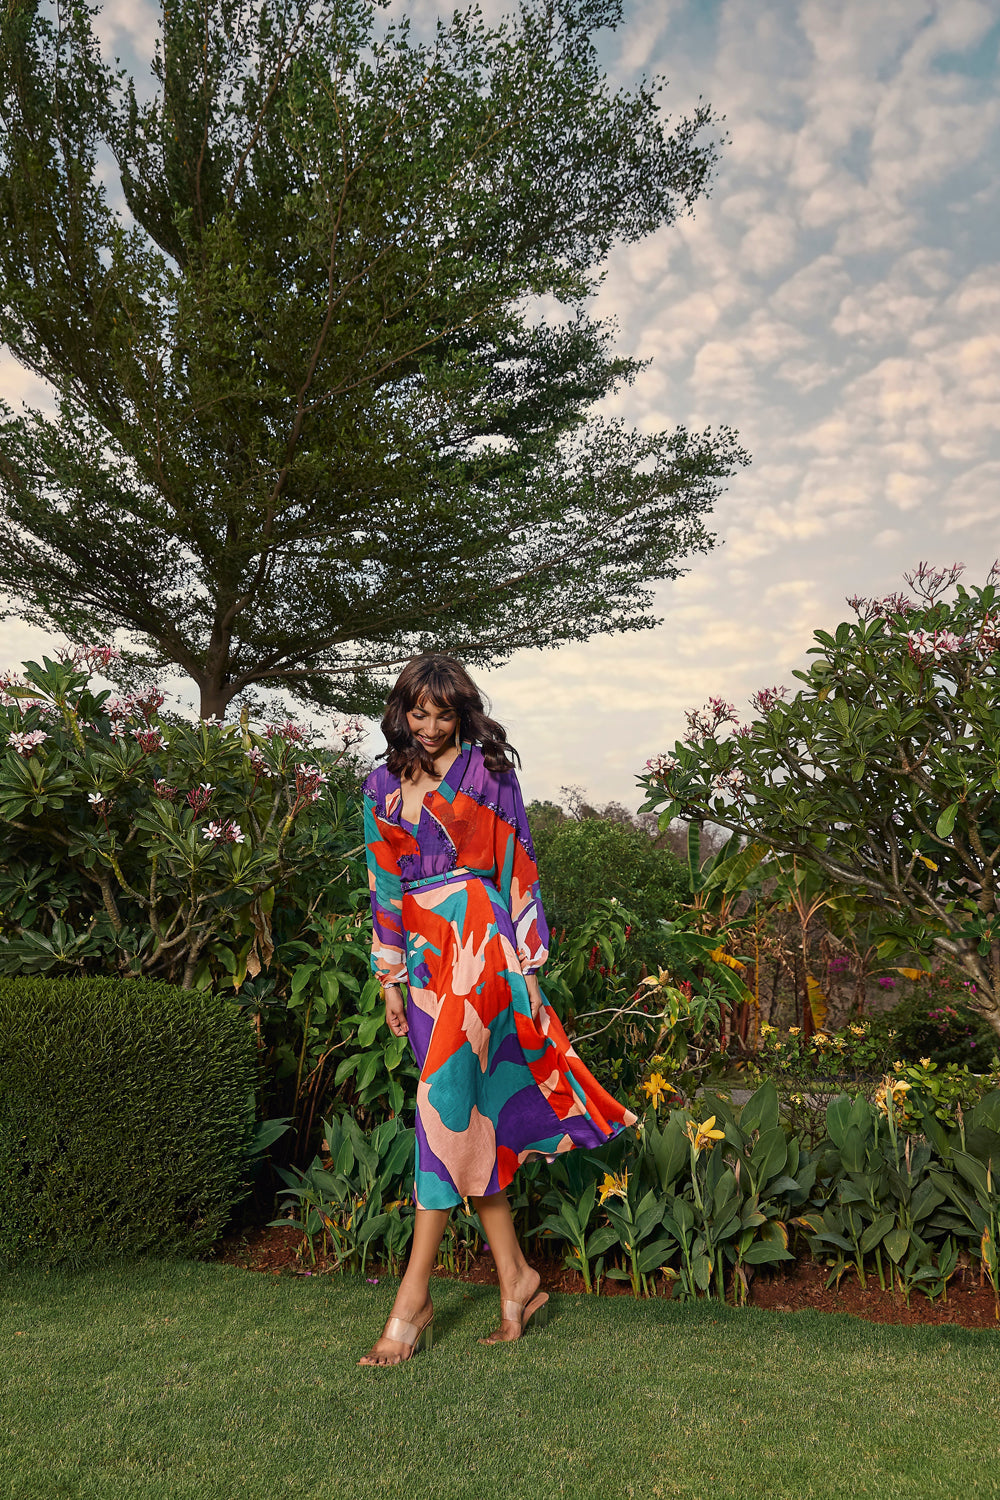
(413, 1300)
(518, 1282)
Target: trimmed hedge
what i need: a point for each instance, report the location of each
(126, 1110)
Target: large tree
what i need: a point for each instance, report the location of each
(308, 416)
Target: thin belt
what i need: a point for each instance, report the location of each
(461, 873)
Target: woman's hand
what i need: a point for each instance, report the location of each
(395, 1010)
(534, 995)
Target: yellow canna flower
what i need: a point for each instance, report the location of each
(858, 1030)
(794, 1030)
(703, 1136)
(925, 1062)
(892, 1090)
(656, 1088)
(613, 1187)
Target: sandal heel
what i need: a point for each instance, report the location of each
(540, 1317)
(425, 1339)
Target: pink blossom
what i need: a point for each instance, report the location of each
(881, 609)
(702, 723)
(149, 702)
(117, 730)
(121, 708)
(926, 646)
(163, 791)
(199, 796)
(765, 698)
(149, 739)
(929, 582)
(309, 782)
(350, 731)
(94, 656)
(25, 743)
(661, 766)
(732, 780)
(227, 832)
(289, 730)
(258, 762)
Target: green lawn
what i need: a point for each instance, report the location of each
(189, 1380)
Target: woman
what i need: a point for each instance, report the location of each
(458, 919)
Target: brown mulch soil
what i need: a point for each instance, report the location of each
(970, 1302)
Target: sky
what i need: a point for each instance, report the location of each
(836, 299)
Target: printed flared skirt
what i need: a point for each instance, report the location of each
(495, 1085)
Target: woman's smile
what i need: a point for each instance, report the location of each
(432, 725)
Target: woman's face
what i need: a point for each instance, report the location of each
(432, 724)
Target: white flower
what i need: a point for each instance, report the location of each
(26, 742)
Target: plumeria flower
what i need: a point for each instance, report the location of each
(661, 766)
(732, 780)
(96, 800)
(117, 730)
(309, 782)
(765, 698)
(289, 730)
(163, 791)
(149, 739)
(349, 731)
(199, 796)
(26, 742)
(258, 762)
(226, 832)
(95, 656)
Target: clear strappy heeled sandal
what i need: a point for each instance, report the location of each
(535, 1311)
(414, 1336)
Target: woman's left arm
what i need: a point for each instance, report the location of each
(517, 879)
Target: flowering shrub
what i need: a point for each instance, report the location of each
(883, 770)
(140, 843)
(857, 1051)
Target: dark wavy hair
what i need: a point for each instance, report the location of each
(446, 683)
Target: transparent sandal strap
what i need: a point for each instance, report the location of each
(512, 1312)
(401, 1331)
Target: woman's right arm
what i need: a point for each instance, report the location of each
(388, 958)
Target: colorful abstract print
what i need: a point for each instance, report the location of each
(459, 920)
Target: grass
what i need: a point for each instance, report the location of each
(200, 1382)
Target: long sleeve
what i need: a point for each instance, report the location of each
(388, 958)
(517, 875)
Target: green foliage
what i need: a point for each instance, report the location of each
(582, 861)
(306, 303)
(882, 771)
(136, 842)
(126, 1118)
(327, 1030)
(934, 1020)
(700, 1200)
(907, 1202)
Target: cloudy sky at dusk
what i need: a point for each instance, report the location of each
(836, 299)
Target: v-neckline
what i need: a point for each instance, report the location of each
(413, 824)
